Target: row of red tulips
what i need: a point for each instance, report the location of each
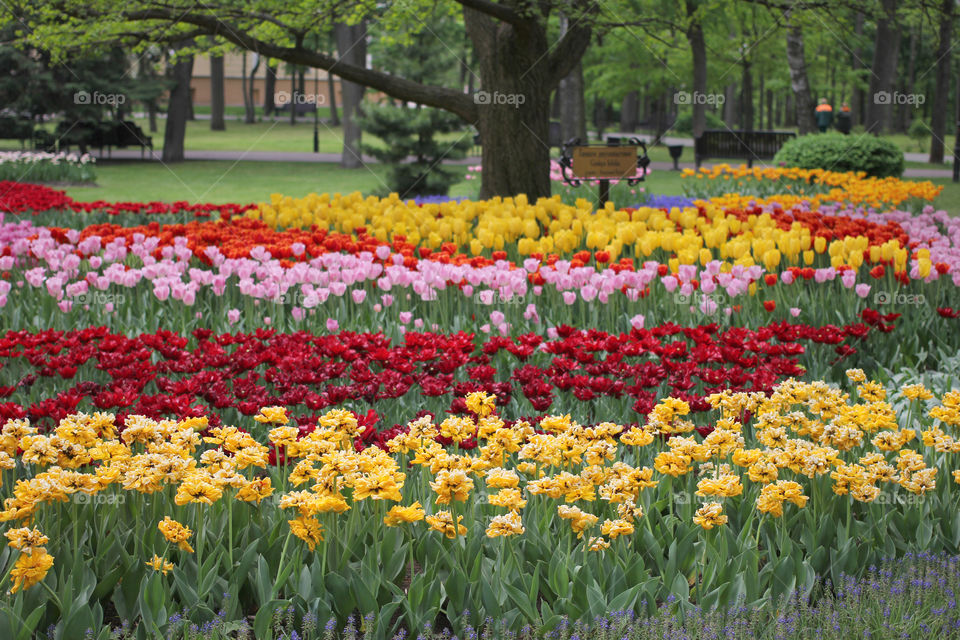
(165, 374)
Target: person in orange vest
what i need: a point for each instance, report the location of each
(844, 120)
(824, 115)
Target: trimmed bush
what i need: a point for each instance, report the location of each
(836, 152)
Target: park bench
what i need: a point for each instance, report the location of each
(747, 145)
(303, 108)
(16, 129)
(88, 134)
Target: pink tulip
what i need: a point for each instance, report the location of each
(332, 325)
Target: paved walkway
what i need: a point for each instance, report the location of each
(305, 156)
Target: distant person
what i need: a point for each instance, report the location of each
(844, 119)
(824, 115)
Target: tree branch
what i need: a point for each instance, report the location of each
(493, 9)
(396, 86)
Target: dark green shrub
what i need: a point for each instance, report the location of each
(837, 152)
(410, 149)
(684, 123)
(919, 132)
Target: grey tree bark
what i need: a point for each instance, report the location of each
(746, 96)
(799, 81)
(269, 89)
(332, 92)
(573, 109)
(628, 111)
(883, 70)
(216, 94)
(178, 108)
(698, 48)
(352, 48)
(941, 93)
(857, 101)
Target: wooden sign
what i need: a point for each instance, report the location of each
(604, 162)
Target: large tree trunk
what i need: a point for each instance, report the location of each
(941, 93)
(269, 88)
(513, 106)
(628, 111)
(352, 48)
(698, 48)
(178, 110)
(798, 80)
(216, 94)
(884, 70)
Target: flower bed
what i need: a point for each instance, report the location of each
(290, 410)
(785, 487)
(37, 166)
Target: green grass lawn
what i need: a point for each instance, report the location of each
(223, 181)
(243, 182)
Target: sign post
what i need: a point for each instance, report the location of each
(612, 161)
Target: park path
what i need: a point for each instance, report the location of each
(306, 156)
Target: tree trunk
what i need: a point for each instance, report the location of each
(698, 48)
(798, 80)
(730, 105)
(513, 107)
(907, 109)
(884, 70)
(146, 70)
(216, 94)
(856, 95)
(249, 108)
(293, 95)
(761, 96)
(177, 110)
(332, 90)
(628, 112)
(269, 88)
(941, 93)
(352, 48)
(190, 114)
(600, 116)
(573, 109)
(746, 97)
(770, 123)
